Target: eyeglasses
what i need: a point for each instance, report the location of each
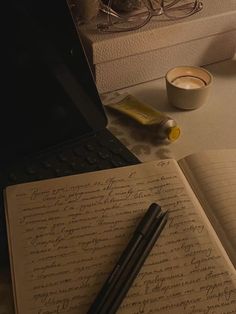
(139, 17)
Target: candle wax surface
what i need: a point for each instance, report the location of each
(188, 82)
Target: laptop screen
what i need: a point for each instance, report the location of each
(50, 95)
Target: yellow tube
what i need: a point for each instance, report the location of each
(146, 115)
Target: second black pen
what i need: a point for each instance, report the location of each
(140, 232)
(129, 275)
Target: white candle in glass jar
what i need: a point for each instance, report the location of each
(188, 82)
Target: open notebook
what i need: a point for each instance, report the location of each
(66, 234)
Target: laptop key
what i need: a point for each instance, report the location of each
(116, 150)
(62, 157)
(117, 162)
(79, 152)
(92, 160)
(78, 165)
(90, 147)
(104, 154)
(105, 164)
(46, 164)
(31, 170)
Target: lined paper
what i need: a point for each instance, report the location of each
(214, 175)
(67, 233)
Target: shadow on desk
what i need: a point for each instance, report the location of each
(139, 139)
(226, 69)
(158, 95)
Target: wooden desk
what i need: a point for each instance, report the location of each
(209, 127)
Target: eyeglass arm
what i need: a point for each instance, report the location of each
(108, 10)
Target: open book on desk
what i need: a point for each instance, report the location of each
(66, 234)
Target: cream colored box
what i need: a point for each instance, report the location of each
(124, 59)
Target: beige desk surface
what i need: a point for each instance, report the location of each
(210, 127)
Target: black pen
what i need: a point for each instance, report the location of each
(140, 232)
(129, 275)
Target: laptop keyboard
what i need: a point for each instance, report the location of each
(101, 151)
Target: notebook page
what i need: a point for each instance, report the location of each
(67, 233)
(213, 175)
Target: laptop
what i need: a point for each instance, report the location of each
(52, 121)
